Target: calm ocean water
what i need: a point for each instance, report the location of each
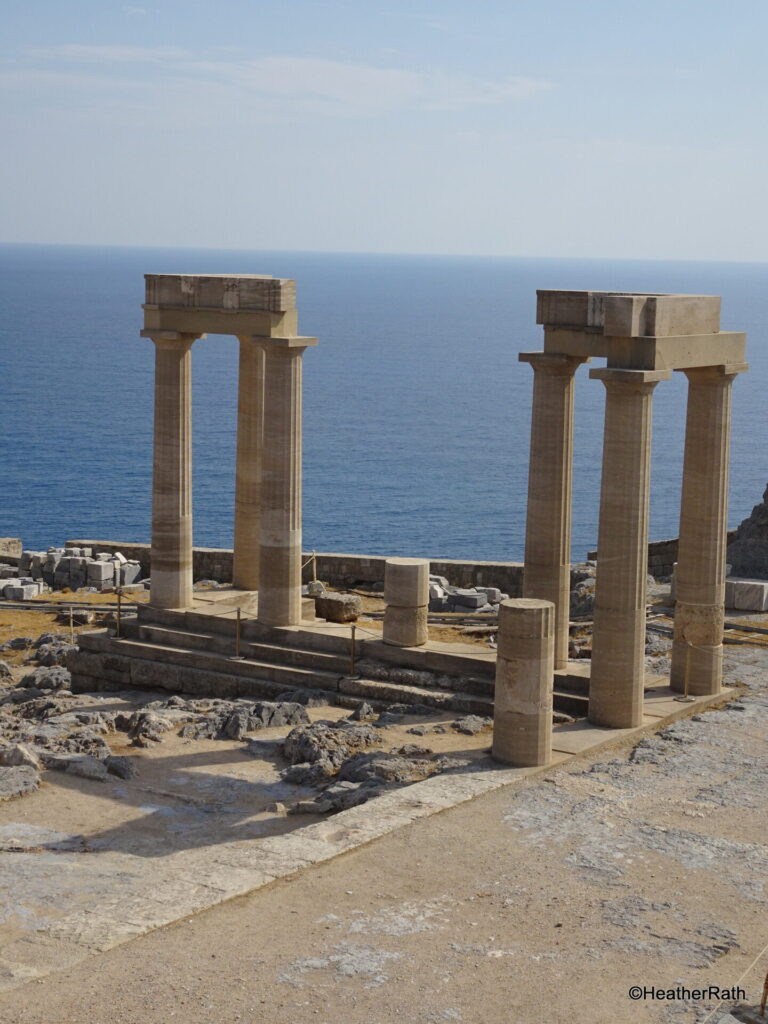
(416, 410)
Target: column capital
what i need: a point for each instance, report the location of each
(171, 338)
(723, 373)
(630, 380)
(553, 363)
(293, 345)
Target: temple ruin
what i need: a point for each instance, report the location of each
(181, 642)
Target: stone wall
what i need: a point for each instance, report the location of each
(662, 555)
(336, 569)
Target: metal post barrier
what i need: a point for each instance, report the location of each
(237, 656)
(119, 593)
(352, 654)
(314, 565)
(71, 624)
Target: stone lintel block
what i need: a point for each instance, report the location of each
(406, 582)
(632, 316)
(679, 352)
(220, 321)
(629, 314)
(238, 292)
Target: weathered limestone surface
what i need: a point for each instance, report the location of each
(172, 470)
(406, 593)
(548, 524)
(250, 438)
(697, 649)
(618, 646)
(280, 554)
(522, 718)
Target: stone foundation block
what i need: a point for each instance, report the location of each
(746, 595)
(338, 607)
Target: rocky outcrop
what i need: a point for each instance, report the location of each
(748, 551)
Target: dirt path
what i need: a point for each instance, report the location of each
(539, 903)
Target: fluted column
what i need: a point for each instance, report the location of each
(700, 575)
(171, 554)
(522, 705)
(547, 571)
(250, 429)
(618, 640)
(280, 555)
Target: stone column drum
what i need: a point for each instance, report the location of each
(522, 715)
(280, 553)
(250, 437)
(700, 575)
(406, 593)
(547, 572)
(618, 645)
(171, 553)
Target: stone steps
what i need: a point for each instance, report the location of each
(220, 643)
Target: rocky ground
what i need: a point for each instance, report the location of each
(547, 901)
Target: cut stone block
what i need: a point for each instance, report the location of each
(746, 595)
(100, 571)
(338, 607)
(493, 594)
(468, 599)
(129, 573)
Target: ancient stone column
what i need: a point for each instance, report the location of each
(618, 640)
(280, 554)
(547, 572)
(522, 709)
(171, 553)
(700, 575)
(250, 430)
(406, 593)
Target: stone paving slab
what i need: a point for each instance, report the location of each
(63, 901)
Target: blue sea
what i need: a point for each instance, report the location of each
(416, 410)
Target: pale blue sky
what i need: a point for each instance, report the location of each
(523, 128)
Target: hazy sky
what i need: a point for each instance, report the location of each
(541, 128)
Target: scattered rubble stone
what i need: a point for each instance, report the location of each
(87, 767)
(18, 643)
(419, 730)
(5, 670)
(331, 741)
(53, 677)
(305, 774)
(20, 754)
(122, 767)
(55, 653)
(362, 713)
(235, 719)
(471, 725)
(18, 780)
(148, 727)
(411, 750)
(340, 797)
(389, 767)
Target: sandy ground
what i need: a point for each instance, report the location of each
(544, 902)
